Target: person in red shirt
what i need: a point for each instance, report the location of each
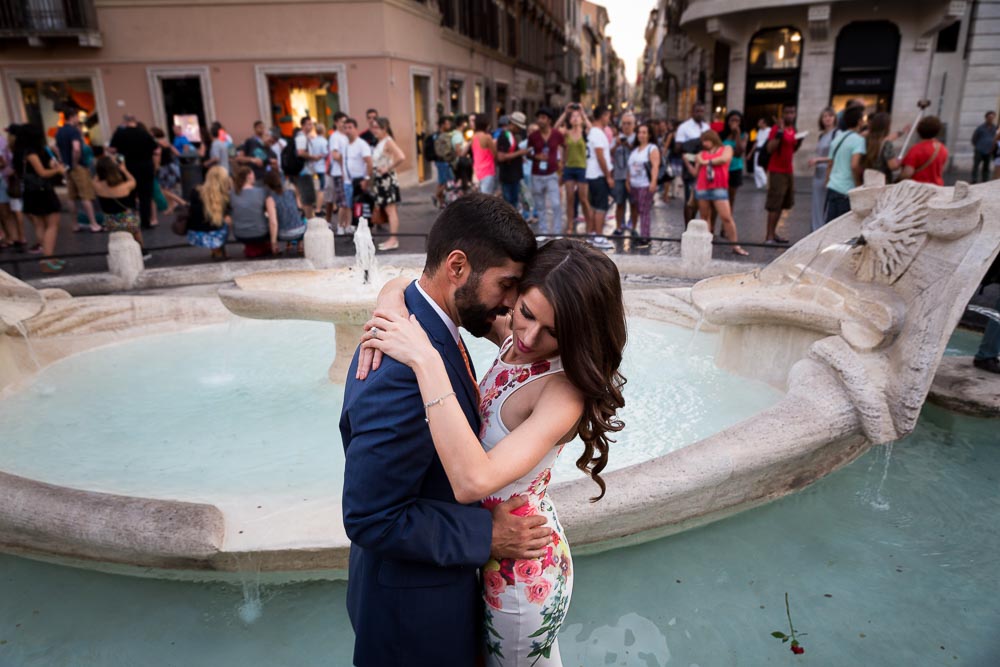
(925, 162)
(546, 144)
(781, 145)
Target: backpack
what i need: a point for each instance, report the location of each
(763, 155)
(444, 151)
(291, 162)
(429, 147)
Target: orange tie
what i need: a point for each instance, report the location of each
(468, 368)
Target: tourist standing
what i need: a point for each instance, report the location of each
(529, 210)
(11, 220)
(305, 180)
(736, 139)
(444, 155)
(687, 141)
(511, 158)
(643, 169)
(255, 219)
(880, 151)
(847, 153)
(574, 168)
(484, 156)
(600, 179)
(759, 153)
(255, 152)
(218, 151)
(710, 169)
(320, 145)
(983, 143)
(820, 164)
(334, 193)
(38, 167)
(357, 167)
(209, 211)
(925, 162)
(368, 136)
(79, 185)
(547, 147)
(113, 188)
(137, 146)
(386, 156)
(781, 146)
(624, 141)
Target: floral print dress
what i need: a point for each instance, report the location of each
(525, 600)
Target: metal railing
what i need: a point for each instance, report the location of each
(46, 17)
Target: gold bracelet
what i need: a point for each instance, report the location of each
(431, 404)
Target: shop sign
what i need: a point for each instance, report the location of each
(866, 82)
(775, 84)
(528, 86)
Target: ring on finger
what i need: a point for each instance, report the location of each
(374, 331)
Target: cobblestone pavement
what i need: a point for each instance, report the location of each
(417, 214)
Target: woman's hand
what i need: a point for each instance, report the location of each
(652, 188)
(401, 338)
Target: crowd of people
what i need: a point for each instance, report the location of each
(564, 172)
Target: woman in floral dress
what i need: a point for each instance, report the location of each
(556, 377)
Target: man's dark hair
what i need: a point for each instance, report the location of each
(482, 123)
(442, 120)
(929, 127)
(303, 120)
(853, 116)
(371, 111)
(258, 123)
(461, 118)
(351, 121)
(786, 107)
(990, 113)
(337, 116)
(486, 228)
(600, 112)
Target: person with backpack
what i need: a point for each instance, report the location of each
(442, 150)
(511, 158)
(847, 154)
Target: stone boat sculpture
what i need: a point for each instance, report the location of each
(850, 323)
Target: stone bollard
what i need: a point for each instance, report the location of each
(696, 245)
(319, 243)
(125, 258)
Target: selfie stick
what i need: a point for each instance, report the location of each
(922, 104)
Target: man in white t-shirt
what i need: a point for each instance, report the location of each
(334, 192)
(687, 132)
(305, 181)
(600, 179)
(357, 162)
(759, 172)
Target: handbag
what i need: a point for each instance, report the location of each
(180, 224)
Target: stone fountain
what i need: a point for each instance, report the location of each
(850, 323)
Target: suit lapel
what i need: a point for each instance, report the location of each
(438, 332)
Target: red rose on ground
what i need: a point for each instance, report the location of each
(502, 379)
(540, 367)
(798, 650)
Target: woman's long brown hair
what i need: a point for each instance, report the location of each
(585, 291)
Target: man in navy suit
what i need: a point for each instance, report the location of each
(413, 592)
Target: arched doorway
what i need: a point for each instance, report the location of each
(773, 64)
(864, 65)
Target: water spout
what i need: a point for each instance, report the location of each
(857, 241)
(23, 330)
(364, 254)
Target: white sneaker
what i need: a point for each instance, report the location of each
(341, 231)
(541, 239)
(602, 243)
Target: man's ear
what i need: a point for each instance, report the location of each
(457, 267)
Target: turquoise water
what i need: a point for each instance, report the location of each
(246, 407)
(901, 572)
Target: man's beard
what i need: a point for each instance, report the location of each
(472, 314)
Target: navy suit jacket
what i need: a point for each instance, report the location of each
(413, 592)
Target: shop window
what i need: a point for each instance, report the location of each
(47, 102)
(775, 49)
(947, 40)
(455, 91)
(296, 95)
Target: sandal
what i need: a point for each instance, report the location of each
(49, 266)
(737, 250)
(388, 245)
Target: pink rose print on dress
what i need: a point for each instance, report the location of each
(493, 583)
(540, 367)
(493, 601)
(525, 510)
(548, 560)
(507, 570)
(538, 590)
(527, 570)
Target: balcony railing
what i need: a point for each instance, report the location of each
(47, 18)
